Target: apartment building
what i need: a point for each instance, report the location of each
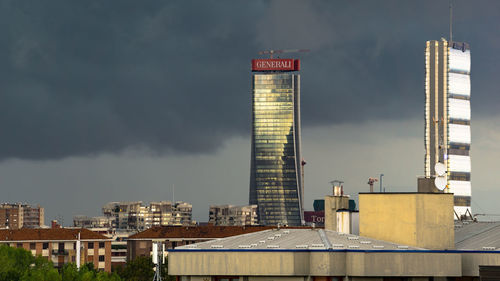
(136, 216)
(59, 245)
(19, 215)
(92, 222)
(233, 215)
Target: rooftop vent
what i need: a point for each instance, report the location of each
(353, 246)
(216, 246)
(489, 248)
(338, 245)
(317, 245)
(365, 242)
(286, 232)
(353, 238)
(262, 241)
(270, 238)
(253, 244)
(191, 246)
(301, 246)
(277, 235)
(378, 246)
(402, 247)
(244, 246)
(273, 246)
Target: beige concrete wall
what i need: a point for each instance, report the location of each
(415, 219)
(389, 218)
(327, 264)
(403, 264)
(238, 263)
(435, 224)
(359, 264)
(472, 261)
(332, 204)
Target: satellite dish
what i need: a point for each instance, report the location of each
(440, 169)
(440, 183)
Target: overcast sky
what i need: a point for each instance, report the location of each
(119, 100)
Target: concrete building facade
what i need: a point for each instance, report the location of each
(423, 220)
(447, 118)
(136, 216)
(18, 215)
(233, 215)
(93, 222)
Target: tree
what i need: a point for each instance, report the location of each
(140, 269)
(41, 270)
(18, 264)
(14, 262)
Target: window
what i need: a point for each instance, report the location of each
(101, 258)
(101, 244)
(32, 246)
(91, 245)
(19, 245)
(61, 246)
(45, 246)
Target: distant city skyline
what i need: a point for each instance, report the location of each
(116, 102)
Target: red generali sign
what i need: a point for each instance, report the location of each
(275, 65)
(317, 217)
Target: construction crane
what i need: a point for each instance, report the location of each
(371, 181)
(272, 52)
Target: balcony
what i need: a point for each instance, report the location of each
(60, 252)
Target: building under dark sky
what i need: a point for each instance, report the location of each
(447, 118)
(276, 177)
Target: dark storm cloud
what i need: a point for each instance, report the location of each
(80, 78)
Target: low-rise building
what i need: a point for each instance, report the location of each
(308, 254)
(233, 215)
(59, 245)
(19, 215)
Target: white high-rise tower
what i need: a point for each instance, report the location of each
(447, 118)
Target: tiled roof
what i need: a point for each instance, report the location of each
(206, 231)
(297, 239)
(48, 234)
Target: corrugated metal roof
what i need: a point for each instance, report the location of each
(295, 239)
(204, 232)
(477, 236)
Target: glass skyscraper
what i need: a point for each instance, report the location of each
(447, 118)
(276, 172)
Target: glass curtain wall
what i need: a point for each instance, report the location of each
(275, 180)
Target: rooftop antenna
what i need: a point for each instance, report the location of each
(451, 21)
(272, 52)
